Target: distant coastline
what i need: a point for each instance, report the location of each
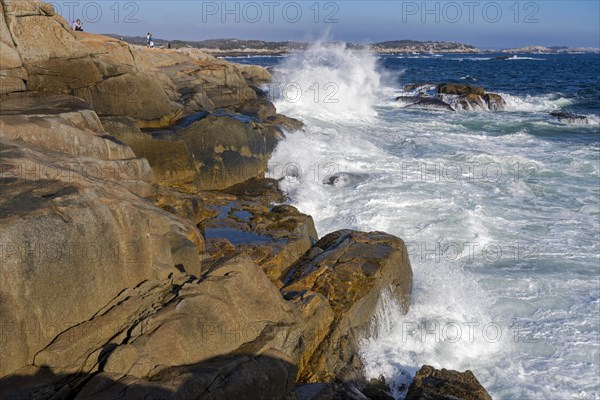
(240, 48)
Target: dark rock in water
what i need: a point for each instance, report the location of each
(453, 96)
(285, 122)
(407, 99)
(343, 179)
(260, 94)
(570, 118)
(459, 89)
(502, 58)
(431, 104)
(474, 102)
(415, 86)
(377, 389)
(431, 383)
(494, 101)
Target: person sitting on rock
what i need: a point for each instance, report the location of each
(77, 25)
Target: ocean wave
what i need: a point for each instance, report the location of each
(525, 58)
(593, 120)
(470, 58)
(329, 81)
(543, 103)
(384, 171)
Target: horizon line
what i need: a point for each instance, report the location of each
(364, 44)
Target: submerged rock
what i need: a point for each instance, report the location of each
(344, 179)
(430, 104)
(431, 383)
(495, 102)
(420, 87)
(570, 118)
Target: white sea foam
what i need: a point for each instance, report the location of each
(533, 231)
(329, 81)
(530, 103)
(515, 57)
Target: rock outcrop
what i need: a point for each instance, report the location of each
(430, 104)
(570, 118)
(178, 338)
(154, 87)
(431, 383)
(243, 221)
(72, 222)
(143, 254)
(459, 89)
(338, 286)
(105, 72)
(223, 160)
(452, 97)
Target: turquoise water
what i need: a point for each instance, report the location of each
(499, 210)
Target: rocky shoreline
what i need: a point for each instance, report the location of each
(143, 253)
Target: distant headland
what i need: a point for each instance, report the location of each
(238, 47)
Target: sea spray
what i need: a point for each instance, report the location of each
(528, 320)
(447, 326)
(337, 140)
(328, 81)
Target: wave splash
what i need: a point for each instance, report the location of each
(328, 81)
(338, 143)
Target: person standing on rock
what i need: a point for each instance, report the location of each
(148, 39)
(77, 25)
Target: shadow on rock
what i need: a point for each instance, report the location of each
(249, 376)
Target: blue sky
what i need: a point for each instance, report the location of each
(486, 24)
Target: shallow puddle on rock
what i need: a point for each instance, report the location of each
(235, 236)
(243, 215)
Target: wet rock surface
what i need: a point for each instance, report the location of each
(430, 104)
(460, 89)
(451, 97)
(570, 118)
(431, 383)
(351, 271)
(246, 221)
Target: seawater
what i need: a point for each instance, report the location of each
(499, 210)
